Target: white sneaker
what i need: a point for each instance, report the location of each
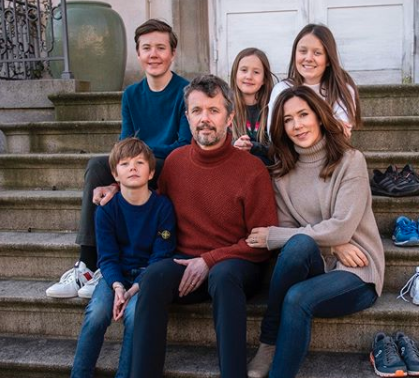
(87, 290)
(411, 287)
(70, 282)
(261, 364)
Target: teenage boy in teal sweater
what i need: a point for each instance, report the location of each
(153, 110)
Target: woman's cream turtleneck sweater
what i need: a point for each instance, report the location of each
(332, 212)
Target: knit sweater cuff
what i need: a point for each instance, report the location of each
(208, 259)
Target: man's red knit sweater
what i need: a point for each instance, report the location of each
(219, 196)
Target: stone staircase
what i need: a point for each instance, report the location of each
(41, 179)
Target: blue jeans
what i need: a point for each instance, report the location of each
(301, 290)
(98, 317)
(229, 283)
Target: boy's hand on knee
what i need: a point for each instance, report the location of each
(103, 194)
(195, 274)
(118, 303)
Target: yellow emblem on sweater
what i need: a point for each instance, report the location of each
(165, 234)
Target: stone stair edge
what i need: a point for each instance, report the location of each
(28, 292)
(27, 160)
(54, 125)
(56, 356)
(86, 98)
(388, 90)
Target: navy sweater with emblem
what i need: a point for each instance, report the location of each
(133, 237)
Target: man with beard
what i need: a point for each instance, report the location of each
(219, 194)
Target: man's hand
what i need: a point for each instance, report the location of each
(350, 255)
(258, 237)
(195, 273)
(243, 143)
(103, 194)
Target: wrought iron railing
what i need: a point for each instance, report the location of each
(24, 46)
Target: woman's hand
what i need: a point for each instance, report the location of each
(258, 237)
(350, 255)
(347, 129)
(243, 143)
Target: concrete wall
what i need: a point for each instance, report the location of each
(190, 21)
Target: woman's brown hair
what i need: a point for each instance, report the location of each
(335, 79)
(282, 149)
(262, 97)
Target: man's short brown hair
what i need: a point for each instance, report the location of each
(129, 148)
(154, 25)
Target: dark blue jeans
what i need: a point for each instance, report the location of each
(229, 283)
(97, 319)
(301, 290)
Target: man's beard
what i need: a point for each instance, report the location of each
(209, 140)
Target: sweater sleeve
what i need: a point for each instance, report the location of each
(352, 198)
(276, 91)
(165, 241)
(127, 129)
(258, 211)
(107, 247)
(184, 136)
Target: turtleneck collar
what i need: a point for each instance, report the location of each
(212, 157)
(313, 154)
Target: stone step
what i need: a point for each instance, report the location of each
(381, 159)
(387, 209)
(25, 310)
(51, 358)
(388, 134)
(104, 106)
(378, 134)
(61, 137)
(47, 255)
(64, 171)
(43, 171)
(389, 100)
(376, 101)
(32, 210)
(37, 255)
(59, 210)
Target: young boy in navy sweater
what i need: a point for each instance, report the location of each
(135, 229)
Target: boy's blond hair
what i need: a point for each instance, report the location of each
(129, 148)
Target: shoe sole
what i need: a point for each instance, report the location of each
(413, 373)
(397, 373)
(407, 243)
(61, 296)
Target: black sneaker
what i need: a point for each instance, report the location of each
(409, 352)
(409, 174)
(392, 184)
(385, 357)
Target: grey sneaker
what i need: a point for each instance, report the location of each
(409, 352)
(261, 364)
(385, 357)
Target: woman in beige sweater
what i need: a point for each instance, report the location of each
(331, 261)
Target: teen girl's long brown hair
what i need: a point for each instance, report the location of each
(335, 79)
(262, 97)
(282, 149)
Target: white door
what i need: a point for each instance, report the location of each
(375, 37)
